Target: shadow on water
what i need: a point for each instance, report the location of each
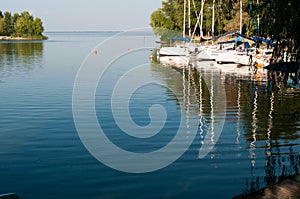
(272, 124)
(267, 117)
(270, 113)
(20, 57)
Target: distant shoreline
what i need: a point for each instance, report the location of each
(10, 38)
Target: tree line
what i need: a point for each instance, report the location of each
(274, 19)
(21, 25)
(226, 13)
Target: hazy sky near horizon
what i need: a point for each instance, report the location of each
(72, 15)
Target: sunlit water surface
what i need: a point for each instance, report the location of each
(41, 155)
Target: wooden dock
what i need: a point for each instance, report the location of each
(289, 188)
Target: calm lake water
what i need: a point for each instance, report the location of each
(42, 156)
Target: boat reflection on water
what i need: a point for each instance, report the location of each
(209, 94)
(275, 126)
(265, 115)
(252, 155)
(271, 127)
(238, 116)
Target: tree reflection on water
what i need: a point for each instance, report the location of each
(20, 57)
(266, 116)
(277, 109)
(270, 113)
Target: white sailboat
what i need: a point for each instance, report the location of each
(182, 49)
(178, 50)
(220, 54)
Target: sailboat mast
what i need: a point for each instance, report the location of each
(201, 20)
(258, 17)
(241, 15)
(189, 15)
(213, 19)
(184, 13)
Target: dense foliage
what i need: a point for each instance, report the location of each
(227, 16)
(280, 20)
(21, 25)
(273, 19)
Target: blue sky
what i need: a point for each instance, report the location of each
(86, 14)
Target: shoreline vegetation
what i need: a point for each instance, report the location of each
(10, 38)
(273, 20)
(20, 27)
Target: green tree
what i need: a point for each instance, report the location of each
(15, 18)
(8, 24)
(279, 20)
(166, 21)
(2, 30)
(274, 19)
(160, 20)
(38, 28)
(171, 15)
(21, 25)
(28, 26)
